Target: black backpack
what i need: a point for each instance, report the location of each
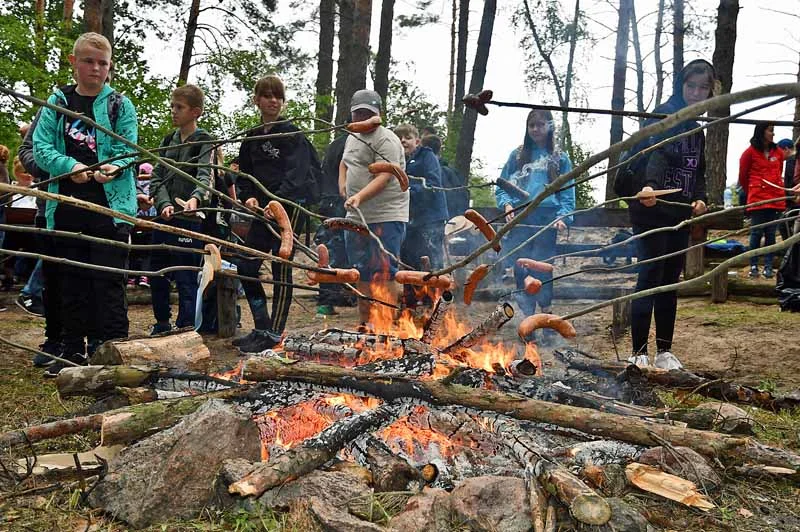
(788, 281)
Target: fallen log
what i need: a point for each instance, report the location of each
(389, 471)
(184, 351)
(684, 380)
(499, 317)
(312, 453)
(46, 431)
(628, 429)
(436, 318)
(583, 502)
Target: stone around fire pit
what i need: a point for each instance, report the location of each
(493, 503)
(429, 511)
(331, 487)
(171, 474)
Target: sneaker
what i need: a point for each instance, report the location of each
(326, 310)
(666, 360)
(50, 347)
(92, 345)
(31, 305)
(131, 282)
(144, 282)
(768, 273)
(262, 341)
(753, 272)
(246, 339)
(639, 360)
(160, 328)
(54, 369)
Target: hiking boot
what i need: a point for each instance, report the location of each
(768, 273)
(160, 328)
(326, 310)
(639, 360)
(243, 340)
(52, 371)
(92, 345)
(753, 272)
(262, 341)
(31, 305)
(50, 347)
(666, 360)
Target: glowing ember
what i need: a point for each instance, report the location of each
(413, 441)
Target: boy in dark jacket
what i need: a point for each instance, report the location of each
(282, 166)
(457, 200)
(168, 191)
(681, 165)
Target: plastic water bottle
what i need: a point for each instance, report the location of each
(728, 198)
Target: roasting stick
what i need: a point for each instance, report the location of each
(664, 125)
(722, 267)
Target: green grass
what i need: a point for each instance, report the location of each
(733, 314)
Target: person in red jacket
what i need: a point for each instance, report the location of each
(760, 167)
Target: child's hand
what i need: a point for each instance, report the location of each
(144, 201)
(699, 207)
(106, 173)
(251, 203)
(168, 212)
(80, 177)
(4, 154)
(352, 202)
(509, 212)
(191, 205)
(648, 201)
(561, 226)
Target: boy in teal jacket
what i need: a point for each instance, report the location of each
(94, 305)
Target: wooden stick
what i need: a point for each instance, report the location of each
(629, 429)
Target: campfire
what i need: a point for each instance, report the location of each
(416, 408)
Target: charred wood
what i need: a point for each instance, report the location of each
(390, 472)
(312, 453)
(708, 387)
(499, 317)
(406, 365)
(629, 429)
(321, 351)
(99, 380)
(436, 318)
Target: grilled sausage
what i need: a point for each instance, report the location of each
(542, 321)
(365, 126)
(287, 233)
(535, 265)
(483, 226)
(417, 278)
(472, 281)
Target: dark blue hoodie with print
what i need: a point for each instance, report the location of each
(679, 164)
(427, 206)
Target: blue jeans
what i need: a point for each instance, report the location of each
(185, 281)
(366, 256)
(33, 288)
(761, 216)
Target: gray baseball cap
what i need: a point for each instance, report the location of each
(366, 99)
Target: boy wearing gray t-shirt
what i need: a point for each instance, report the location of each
(379, 198)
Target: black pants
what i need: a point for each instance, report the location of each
(652, 275)
(185, 281)
(260, 238)
(93, 303)
(51, 276)
(139, 259)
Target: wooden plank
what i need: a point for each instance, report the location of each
(226, 307)
(719, 287)
(621, 314)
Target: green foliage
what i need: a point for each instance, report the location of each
(410, 105)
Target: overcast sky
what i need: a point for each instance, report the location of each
(766, 52)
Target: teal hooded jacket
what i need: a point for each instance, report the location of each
(49, 150)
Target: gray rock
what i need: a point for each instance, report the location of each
(687, 464)
(333, 519)
(333, 487)
(730, 419)
(429, 511)
(493, 503)
(171, 474)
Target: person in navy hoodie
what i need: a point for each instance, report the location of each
(531, 167)
(428, 207)
(680, 165)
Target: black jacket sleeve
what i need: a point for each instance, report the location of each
(25, 152)
(295, 182)
(245, 185)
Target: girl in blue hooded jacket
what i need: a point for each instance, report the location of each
(531, 167)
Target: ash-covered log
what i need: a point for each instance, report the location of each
(629, 429)
(685, 380)
(434, 323)
(407, 365)
(390, 472)
(313, 452)
(499, 317)
(320, 350)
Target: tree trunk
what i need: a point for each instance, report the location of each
(183, 351)
(717, 136)
(361, 30)
(69, 9)
(618, 89)
(324, 85)
(384, 57)
(467, 135)
(657, 53)
(678, 30)
(566, 135)
(93, 15)
(188, 43)
(628, 429)
(107, 9)
(796, 128)
(344, 68)
(312, 453)
(451, 89)
(637, 54)
(461, 57)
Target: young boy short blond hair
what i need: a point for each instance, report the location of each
(93, 304)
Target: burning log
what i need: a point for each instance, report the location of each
(537, 498)
(389, 471)
(681, 379)
(628, 429)
(434, 322)
(406, 365)
(583, 502)
(98, 380)
(312, 453)
(184, 350)
(323, 351)
(501, 315)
